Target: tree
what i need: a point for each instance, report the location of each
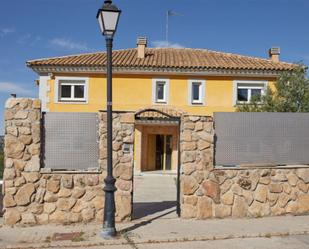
(291, 94)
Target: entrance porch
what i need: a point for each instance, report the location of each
(156, 147)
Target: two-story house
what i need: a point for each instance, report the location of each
(176, 80)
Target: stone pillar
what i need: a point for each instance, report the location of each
(123, 139)
(196, 148)
(22, 159)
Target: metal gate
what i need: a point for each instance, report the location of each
(261, 138)
(70, 141)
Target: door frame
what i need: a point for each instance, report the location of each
(153, 115)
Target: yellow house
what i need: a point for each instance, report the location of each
(173, 80)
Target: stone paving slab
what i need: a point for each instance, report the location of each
(144, 232)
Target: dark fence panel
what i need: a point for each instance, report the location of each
(261, 138)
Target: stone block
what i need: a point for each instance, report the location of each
(240, 207)
(11, 216)
(275, 188)
(65, 204)
(188, 156)
(92, 180)
(8, 201)
(202, 145)
(124, 185)
(303, 174)
(24, 194)
(31, 176)
(34, 149)
(33, 165)
(303, 186)
(98, 202)
(189, 185)
(127, 118)
(303, 204)
(67, 181)
(188, 211)
(188, 126)
(292, 179)
(212, 189)
(49, 207)
(124, 171)
(188, 145)
(204, 208)
(25, 139)
(123, 207)
(53, 186)
(9, 174)
(64, 193)
(190, 200)
(13, 147)
(260, 193)
(21, 114)
(78, 192)
(227, 198)
(188, 168)
(222, 211)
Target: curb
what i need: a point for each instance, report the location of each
(129, 240)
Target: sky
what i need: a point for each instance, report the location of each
(45, 28)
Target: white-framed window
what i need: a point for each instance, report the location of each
(196, 92)
(71, 90)
(244, 91)
(160, 90)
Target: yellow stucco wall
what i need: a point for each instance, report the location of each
(134, 92)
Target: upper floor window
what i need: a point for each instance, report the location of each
(72, 89)
(244, 91)
(196, 91)
(160, 90)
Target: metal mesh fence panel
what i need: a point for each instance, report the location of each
(261, 138)
(70, 141)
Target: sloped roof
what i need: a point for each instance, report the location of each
(172, 58)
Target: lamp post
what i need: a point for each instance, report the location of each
(108, 17)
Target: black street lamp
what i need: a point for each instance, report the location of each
(108, 17)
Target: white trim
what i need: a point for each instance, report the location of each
(202, 92)
(69, 100)
(166, 91)
(43, 92)
(248, 82)
(161, 71)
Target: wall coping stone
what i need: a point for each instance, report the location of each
(260, 167)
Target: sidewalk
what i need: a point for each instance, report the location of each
(154, 230)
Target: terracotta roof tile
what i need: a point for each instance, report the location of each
(175, 58)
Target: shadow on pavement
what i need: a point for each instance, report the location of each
(145, 222)
(143, 209)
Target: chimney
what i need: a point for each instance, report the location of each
(141, 47)
(274, 54)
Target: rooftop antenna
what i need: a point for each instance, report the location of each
(168, 14)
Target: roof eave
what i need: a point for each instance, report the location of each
(43, 69)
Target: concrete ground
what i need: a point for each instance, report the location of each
(271, 232)
(154, 194)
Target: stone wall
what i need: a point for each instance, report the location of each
(208, 192)
(34, 197)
